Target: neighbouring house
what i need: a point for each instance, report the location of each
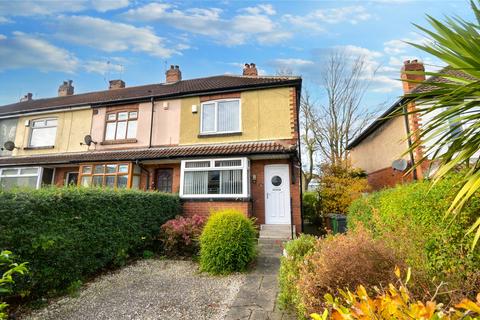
(381, 148)
(227, 141)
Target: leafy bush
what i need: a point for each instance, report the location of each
(311, 211)
(393, 303)
(343, 261)
(410, 219)
(180, 235)
(290, 263)
(340, 185)
(67, 234)
(8, 269)
(227, 243)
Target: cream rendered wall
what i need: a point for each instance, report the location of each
(265, 116)
(71, 129)
(383, 146)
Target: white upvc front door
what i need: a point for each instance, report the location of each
(277, 194)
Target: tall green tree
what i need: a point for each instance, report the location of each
(453, 133)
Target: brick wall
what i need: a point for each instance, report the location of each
(204, 208)
(387, 177)
(61, 175)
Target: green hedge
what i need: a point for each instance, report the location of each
(67, 234)
(412, 219)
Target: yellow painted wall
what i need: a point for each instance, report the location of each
(265, 116)
(71, 129)
(382, 147)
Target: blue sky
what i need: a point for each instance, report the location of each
(45, 42)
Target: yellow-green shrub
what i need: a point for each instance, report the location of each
(410, 219)
(290, 264)
(227, 243)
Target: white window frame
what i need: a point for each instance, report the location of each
(32, 128)
(39, 174)
(245, 165)
(215, 131)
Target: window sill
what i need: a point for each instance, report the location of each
(215, 199)
(123, 141)
(38, 148)
(226, 134)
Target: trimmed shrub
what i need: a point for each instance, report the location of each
(68, 234)
(227, 243)
(180, 236)
(343, 261)
(290, 263)
(411, 220)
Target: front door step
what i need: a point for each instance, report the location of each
(276, 231)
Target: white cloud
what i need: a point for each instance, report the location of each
(111, 36)
(4, 20)
(50, 7)
(293, 62)
(27, 51)
(252, 23)
(260, 9)
(315, 20)
(107, 5)
(102, 67)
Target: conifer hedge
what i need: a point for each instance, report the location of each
(69, 234)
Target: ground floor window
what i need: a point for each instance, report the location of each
(110, 175)
(214, 178)
(27, 177)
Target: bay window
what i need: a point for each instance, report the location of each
(221, 116)
(43, 133)
(216, 178)
(121, 125)
(27, 177)
(110, 175)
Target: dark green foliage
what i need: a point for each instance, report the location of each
(68, 234)
(227, 243)
(411, 218)
(296, 250)
(311, 211)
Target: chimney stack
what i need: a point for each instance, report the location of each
(250, 70)
(65, 89)
(412, 65)
(26, 97)
(116, 84)
(173, 74)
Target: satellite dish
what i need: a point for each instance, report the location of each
(9, 145)
(88, 140)
(400, 164)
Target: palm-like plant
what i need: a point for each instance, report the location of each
(453, 133)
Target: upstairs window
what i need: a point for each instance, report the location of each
(43, 133)
(217, 178)
(121, 125)
(220, 117)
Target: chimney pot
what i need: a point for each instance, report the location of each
(250, 70)
(173, 74)
(66, 89)
(26, 97)
(116, 84)
(409, 66)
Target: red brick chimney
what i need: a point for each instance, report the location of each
(116, 84)
(65, 89)
(26, 97)
(413, 65)
(250, 70)
(173, 74)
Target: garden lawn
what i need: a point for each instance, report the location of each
(148, 289)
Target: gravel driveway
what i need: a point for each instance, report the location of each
(148, 289)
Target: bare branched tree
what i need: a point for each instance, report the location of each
(308, 119)
(345, 80)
